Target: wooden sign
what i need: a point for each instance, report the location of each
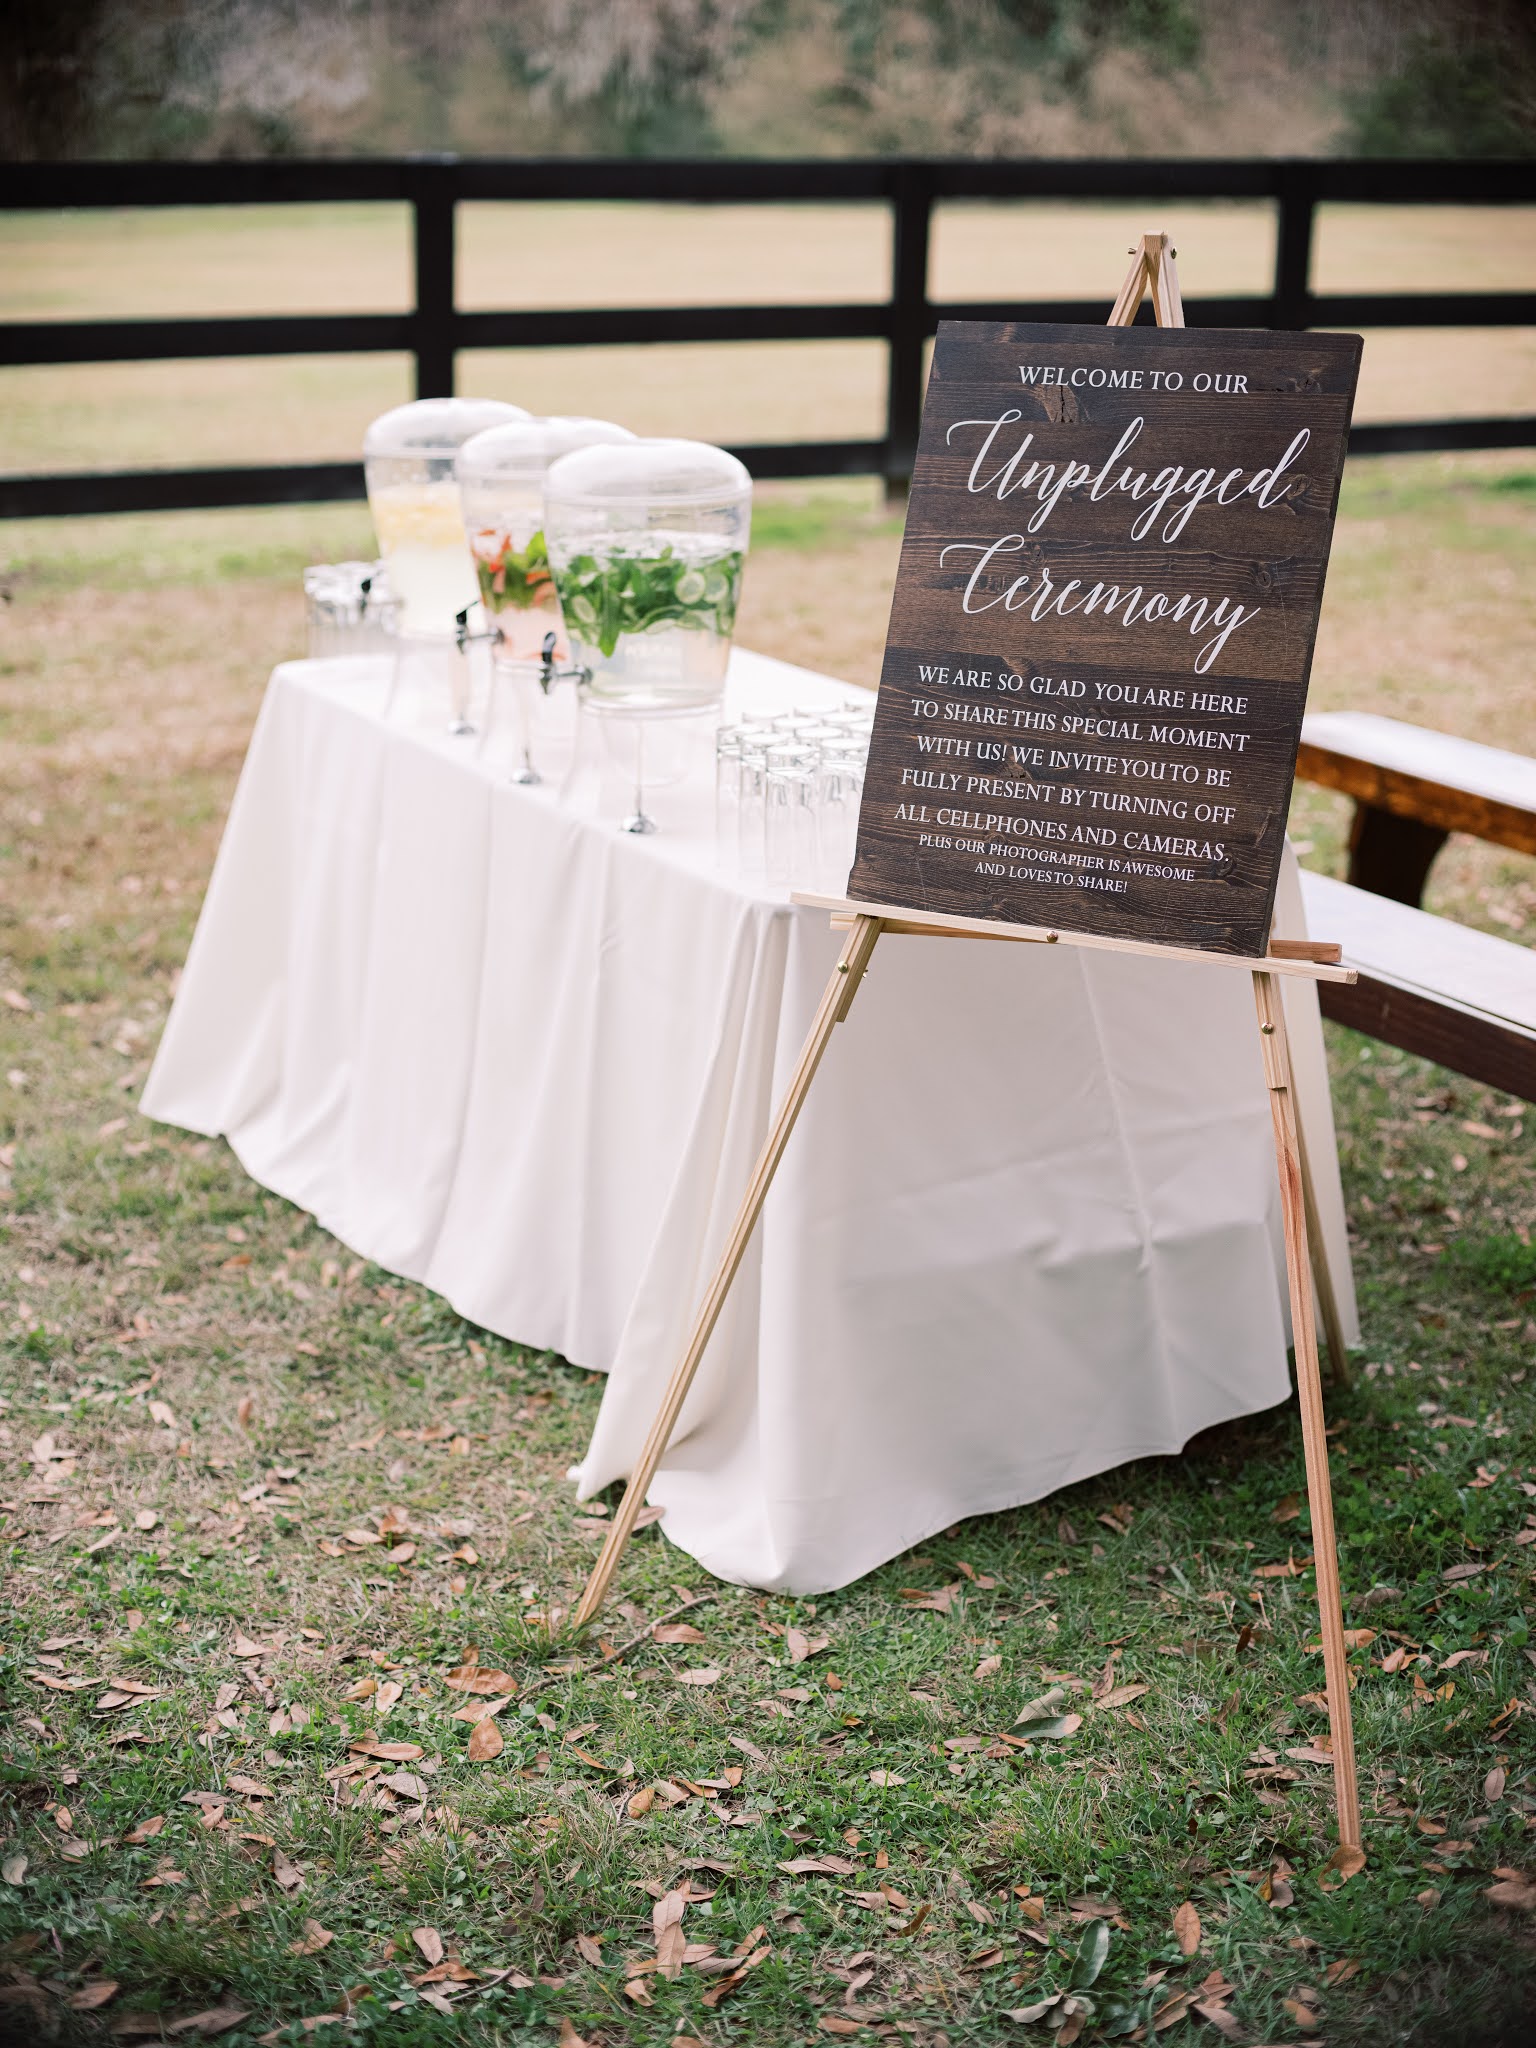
(1102, 628)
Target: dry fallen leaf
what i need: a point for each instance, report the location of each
(801, 1646)
(245, 1410)
(388, 1752)
(667, 1928)
(430, 1942)
(314, 1939)
(886, 1778)
(387, 1694)
(726, 1985)
(1123, 1695)
(706, 1674)
(287, 1873)
(146, 1518)
(569, 2038)
(1186, 1929)
(218, 2019)
(485, 1741)
(676, 1632)
(1493, 1784)
(1514, 1888)
(146, 1830)
(1344, 1863)
(480, 1710)
(591, 1950)
(248, 1788)
(473, 1679)
(640, 1803)
(89, 1996)
(244, 1647)
(1218, 2017)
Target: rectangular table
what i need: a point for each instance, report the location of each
(1028, 1227)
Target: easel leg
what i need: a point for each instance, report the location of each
(1309, 1389)
(1322, 1272)
(834, 1007)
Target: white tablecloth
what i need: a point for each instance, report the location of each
(1027, 1228)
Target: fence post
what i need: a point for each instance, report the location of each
(1293, 248)
(912, 201)
(433, 224)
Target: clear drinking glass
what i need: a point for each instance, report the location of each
(751, 792)
(789, 812)
(727, 796)
(839, 792)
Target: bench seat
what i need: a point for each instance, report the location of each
(1412, 788)
(1442, 990)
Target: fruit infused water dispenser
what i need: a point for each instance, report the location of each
(408, 457)
(646, 541)
(501, 481)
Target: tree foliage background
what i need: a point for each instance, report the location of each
(198, 78)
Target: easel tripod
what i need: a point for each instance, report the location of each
(866, 923)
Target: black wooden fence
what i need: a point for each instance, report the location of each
(436, 329)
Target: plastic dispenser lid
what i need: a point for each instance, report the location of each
(650, 473)
(437, 426)
(523, 451)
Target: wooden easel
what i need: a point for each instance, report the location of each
(1153, 269)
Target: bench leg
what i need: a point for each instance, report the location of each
(1392, 856)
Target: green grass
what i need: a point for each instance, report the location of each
(141, 1266)
(510, 1861)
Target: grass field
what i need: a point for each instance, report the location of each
(237, 1793)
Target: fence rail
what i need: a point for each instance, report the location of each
(436, 329)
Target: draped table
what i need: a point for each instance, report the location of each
(1028, 1227)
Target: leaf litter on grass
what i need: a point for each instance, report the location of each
(365, 1359)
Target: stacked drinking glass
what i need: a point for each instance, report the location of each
(787, 791)
(349, 609)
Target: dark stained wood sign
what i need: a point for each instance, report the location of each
(1102, 629)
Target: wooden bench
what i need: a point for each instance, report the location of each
(1439, 989)
(1412, 789)
(1432, 987)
